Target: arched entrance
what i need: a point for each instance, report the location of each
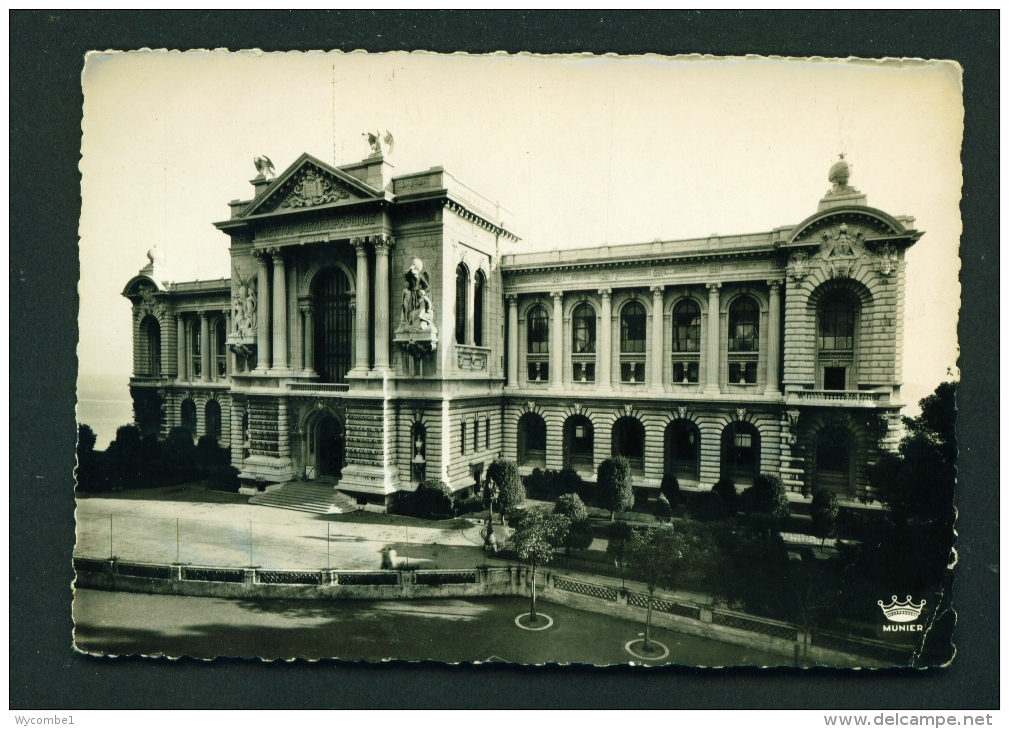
(532, 440)
(683, 448)
(629, 442)
(333, 322)
(579, 451)
(329, 447)
(740, 452)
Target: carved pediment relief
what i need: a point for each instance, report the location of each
(309, 183)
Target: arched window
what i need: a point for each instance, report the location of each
(333, 322)
(221, 352)
(744, 340)
(212, 417)
(150, 332)
(532, 440)
(195, 350)
(462, 438)
(187, 414)
(633, 325)
(833, 460)
(629, 442)
(740, 452)
(486, 433)
(579, 444)
(461, 297)
(836, 340)
(538, 344)
(583, 344)
(686, 341)
(479, 289)
(683, 449)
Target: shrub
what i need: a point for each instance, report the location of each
(663, 510)
(536, 482)
(567, 481)
(825, 511)
(671, 489)
(767, 496)
(727, 491)
(433, 498)
(707, 506)
(579, 536)
(571, 506)
(616, 485)
(178, 454)
(511, 494)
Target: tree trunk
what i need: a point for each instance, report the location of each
(648, 623)
(612, 512)
(532, 606)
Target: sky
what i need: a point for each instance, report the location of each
(583, 150)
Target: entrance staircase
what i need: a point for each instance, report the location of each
(316, 497)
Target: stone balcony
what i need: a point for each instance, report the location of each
(838, 398)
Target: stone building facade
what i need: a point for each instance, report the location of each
(379, 329)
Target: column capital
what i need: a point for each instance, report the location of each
(383, 243)
(606, 293)
(775, 284)
(261, 254)
(658, 291)
(202, 314)
(361, 244)
(226, 313)
(513, 299)
(555, 295)
(179, 316)
(714, 287)
(276, 253)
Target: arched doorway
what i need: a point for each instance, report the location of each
(329, 447)
(740, 452)
(187, 416)
(629, 442)
(683, 449)
(532, 440)
(832, 461)
(212, 418)
(579, 448)
(332, 325)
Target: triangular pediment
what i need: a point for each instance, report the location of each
(310, 183)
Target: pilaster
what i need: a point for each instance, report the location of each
(714, 345)
(605, 349)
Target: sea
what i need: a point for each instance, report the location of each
(103, 402)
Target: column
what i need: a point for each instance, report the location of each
(658, 348)
(263, 313)
(383, 244)
(279, 312)
(180, 324)
(513, 341)
(361, 325)
(229, 366)
(714, 350)
(604, 353)
(557, 342)
(773, 337)
(205, 361)
(308, 309)
(470, 300)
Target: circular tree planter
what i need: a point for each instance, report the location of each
(637, 649)
(523, 621)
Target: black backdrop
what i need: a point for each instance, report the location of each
(46, 58)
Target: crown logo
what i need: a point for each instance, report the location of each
(902, 612)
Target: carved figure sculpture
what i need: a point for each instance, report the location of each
(374, 142)
(244, 305)
(417, 309)
(264, 166)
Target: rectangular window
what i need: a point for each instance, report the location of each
(539, 371)
(476, 435)
(632, 372)
(834, 378)
(584, 372)
(743, 440)
(462, 443)
(486, 433)
(743, 373)
(685, 371)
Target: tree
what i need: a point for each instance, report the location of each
(579, 536)
(767, 496)
(511, 494)
(652, 556)
(707, 506)
(825, 512)
(571, 506)
(534, 540)
(86, 439)
(726, 491)
(568, 481)
(618, 534)
(178, 454)
(670, 488)
(124, 456)
(89, 462)
(663, 511)
(616, 485)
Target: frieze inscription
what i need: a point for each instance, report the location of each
(312, 226)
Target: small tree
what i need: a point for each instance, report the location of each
(767, 496)
(663, 511)
(579, 536)
(571, 506)
(726, 491)
(616, 485)
(707, 506)
(568, 481)
(89, 470)
(825, 511)
(652, 556)
(671, 489)
(511, 494)
(534, 540)
(434, 498)
(618, 534)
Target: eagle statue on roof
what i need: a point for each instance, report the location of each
(264, 166)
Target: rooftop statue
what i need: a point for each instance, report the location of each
(264, 166)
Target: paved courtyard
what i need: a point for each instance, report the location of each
(453, 630)
(191, 525)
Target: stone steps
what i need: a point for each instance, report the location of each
(309, 496)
